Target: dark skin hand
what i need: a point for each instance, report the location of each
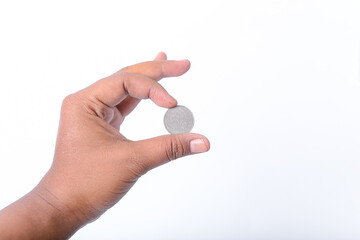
(94, 165)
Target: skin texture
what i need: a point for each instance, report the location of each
(94, 165)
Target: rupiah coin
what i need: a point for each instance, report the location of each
(178, 119)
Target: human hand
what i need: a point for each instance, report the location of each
(94, 164)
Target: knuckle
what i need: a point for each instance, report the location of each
(71, 104)
(100, 109)
(125, 69)
(153, 90)
(174, 149)
(68, 102)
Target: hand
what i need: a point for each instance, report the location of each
(94, 164)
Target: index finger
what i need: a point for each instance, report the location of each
(159, 69)
(112, 90)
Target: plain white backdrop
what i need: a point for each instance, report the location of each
(274, 85)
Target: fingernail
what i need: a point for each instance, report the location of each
(198, 146)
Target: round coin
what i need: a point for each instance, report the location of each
(178, 119)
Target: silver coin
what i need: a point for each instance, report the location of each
(178, 119)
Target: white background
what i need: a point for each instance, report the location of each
(274, 85)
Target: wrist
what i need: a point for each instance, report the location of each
(60, 193)
(49, 216)
(57, 214)
(38, 215)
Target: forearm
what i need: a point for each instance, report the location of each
(37, 215)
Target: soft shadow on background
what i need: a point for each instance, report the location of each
(274, 85)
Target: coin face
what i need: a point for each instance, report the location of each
(178, 119)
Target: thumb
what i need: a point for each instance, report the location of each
(159, 150)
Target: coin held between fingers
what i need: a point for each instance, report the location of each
(178, 120)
